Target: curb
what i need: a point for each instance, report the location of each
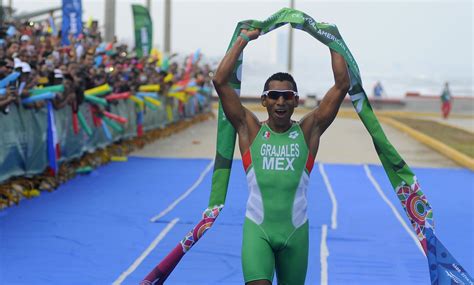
(411, 114)
(449, 152)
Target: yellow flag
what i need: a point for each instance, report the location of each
(181, 96)
(169, 111)
(153, 101)
(138, 101)
(98, 90)
(89, 22)
(168, 77)
(149, 88)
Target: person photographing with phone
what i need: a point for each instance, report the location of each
(278, 156)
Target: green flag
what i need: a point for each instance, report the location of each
(143, 30)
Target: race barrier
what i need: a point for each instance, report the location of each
(23, 150)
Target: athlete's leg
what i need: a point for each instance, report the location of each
(292, 261)
(258, 260)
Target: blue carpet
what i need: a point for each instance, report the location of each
(94, 227)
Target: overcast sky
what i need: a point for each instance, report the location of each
(432, 39)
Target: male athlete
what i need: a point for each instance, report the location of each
(278, 155)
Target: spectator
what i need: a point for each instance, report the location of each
(69, 94)
(5, 100)
(33, 50)
(446, 101)
(378, 90)
(5, 68)
(13, 48)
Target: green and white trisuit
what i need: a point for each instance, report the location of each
(276, 224)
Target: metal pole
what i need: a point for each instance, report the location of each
(2, 14)
(10, 5)
(290, 43)
(167, 43)
(148, 5)
(109, 24)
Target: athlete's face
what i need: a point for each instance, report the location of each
(280, 105)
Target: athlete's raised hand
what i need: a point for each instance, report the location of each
(252, 35)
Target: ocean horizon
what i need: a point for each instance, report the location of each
(395, 84)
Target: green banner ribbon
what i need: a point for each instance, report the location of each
(397, 170)
(441, 264)
(402, 179)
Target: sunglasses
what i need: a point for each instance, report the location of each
(275, 94)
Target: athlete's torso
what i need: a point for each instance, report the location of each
(278, 167)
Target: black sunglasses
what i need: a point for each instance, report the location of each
(275, 94)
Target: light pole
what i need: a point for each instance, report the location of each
(2, 15)
(167, 44)
(10, 5)
(109, 24)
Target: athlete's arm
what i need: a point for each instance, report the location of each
(315, 123)
(233, 109)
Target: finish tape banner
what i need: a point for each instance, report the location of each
(443, 268)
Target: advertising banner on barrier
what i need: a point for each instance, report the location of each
(32, 140)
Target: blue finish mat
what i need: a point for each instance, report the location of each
(94, 228)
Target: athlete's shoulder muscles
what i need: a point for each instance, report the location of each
(309, 125)
(248, 131)
(253, 125)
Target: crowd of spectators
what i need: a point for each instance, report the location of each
(35, 50)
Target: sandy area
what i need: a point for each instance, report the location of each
(346, 141)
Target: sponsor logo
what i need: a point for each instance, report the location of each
(293, 135)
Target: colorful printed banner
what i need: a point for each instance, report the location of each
(52, 26)
(444, 269)
(143, 30)
(72, 20)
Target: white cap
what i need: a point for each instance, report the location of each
(25, 67)
(58, 73)
(25, 38)
(17, 62)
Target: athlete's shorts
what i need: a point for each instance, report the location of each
(264, 251)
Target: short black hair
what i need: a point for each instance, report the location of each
(280, 76)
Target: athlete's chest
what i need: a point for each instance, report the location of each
(285, 152)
